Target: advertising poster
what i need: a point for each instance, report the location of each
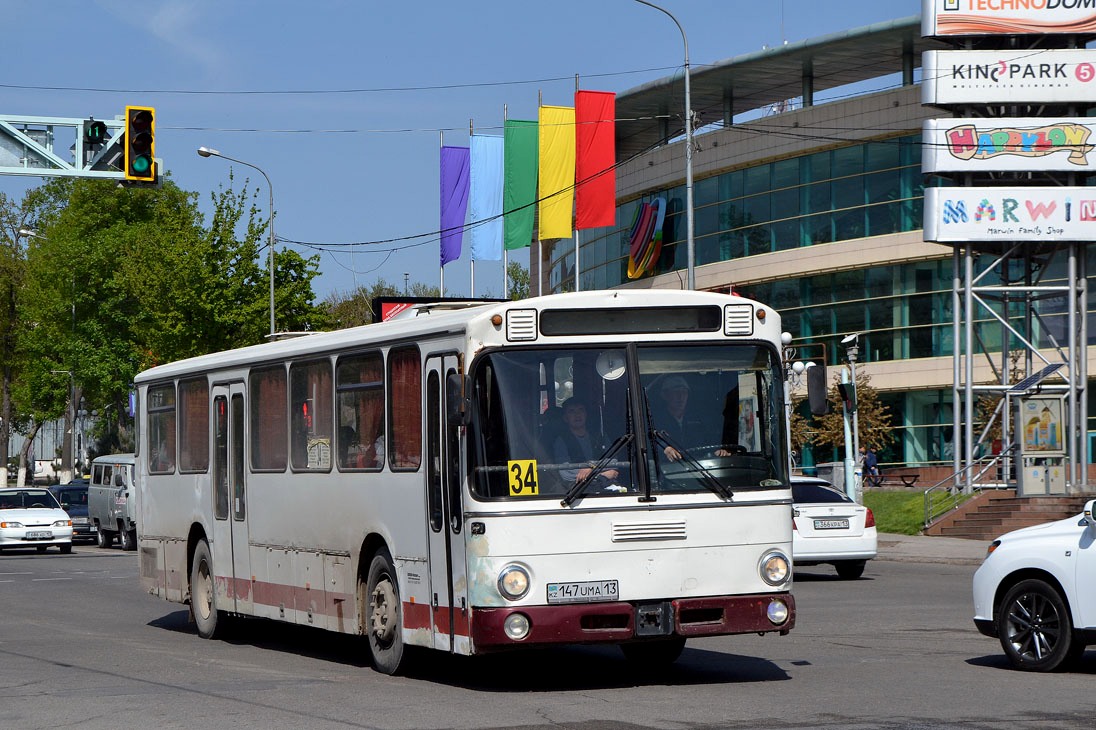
(1016, 144)
(1041, 425)
(1021, 77)
(1049, 214)
(997, 17)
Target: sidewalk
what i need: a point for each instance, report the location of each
(920, 549)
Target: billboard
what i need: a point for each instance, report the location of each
(1016, 144)
(1006, 77)
(1005, 17)
(1045, 214)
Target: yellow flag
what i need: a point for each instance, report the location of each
(557, 171)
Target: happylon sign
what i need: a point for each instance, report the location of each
(991, 77)
(1050, 214)
(1021, 144)
(997, 17)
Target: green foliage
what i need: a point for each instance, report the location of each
(355, 308)
(876, 429)
(518, 276)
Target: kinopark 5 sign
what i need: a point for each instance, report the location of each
(1010, 214)
(995, 17)
(1021, 144)
(991, 77)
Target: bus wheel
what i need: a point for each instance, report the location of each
(654, 652)
(203, 601)
(384, 619)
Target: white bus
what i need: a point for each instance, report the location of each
(430, 481)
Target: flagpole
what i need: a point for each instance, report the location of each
(540, 251)
(441, 267)
(578, 236)
(471, 258)
(505, 253)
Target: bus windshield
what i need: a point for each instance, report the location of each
(549, 422)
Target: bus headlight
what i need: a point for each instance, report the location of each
(513, 582)
(775, 568)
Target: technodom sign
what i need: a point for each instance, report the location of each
(1059, 214)
(996, 17)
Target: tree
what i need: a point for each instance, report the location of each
(355, 308)
(876, 429)
(518, 276)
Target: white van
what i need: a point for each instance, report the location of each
(112, 500)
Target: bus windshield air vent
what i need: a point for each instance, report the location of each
(738, 319)
(632, 531)
(521, 325)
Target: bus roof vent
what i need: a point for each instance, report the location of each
(738, 319)
(521, 325)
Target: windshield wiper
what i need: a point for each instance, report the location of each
(706, 477)
(601, 463)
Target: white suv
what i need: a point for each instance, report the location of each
(1036, 592)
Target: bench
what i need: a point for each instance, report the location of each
(893, 478)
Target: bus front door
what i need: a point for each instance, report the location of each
(445, 515)
(231, 553)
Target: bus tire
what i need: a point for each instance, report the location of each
(203, 596)
(384, 614)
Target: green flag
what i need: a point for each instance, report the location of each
(519, 190)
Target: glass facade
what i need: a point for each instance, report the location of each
(903, 310)
(850, 192)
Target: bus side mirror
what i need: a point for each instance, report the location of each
(816, 390)
(458, 406)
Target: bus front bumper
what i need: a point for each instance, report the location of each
(586, 623)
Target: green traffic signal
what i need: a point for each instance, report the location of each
(95, 132)
(140, 143)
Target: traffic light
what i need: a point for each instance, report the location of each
(848, 394)
(140, 143)
(95, 133)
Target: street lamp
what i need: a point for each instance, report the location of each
(852, 351)
(689, 237)
(207, 152)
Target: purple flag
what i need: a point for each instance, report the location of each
(454, 200)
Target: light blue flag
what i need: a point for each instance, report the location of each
(485, 197)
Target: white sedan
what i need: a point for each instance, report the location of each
(32, 517)
(828, 527)
(1036, 592)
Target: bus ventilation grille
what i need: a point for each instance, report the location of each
(632, 531)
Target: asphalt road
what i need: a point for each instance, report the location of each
(81, 646)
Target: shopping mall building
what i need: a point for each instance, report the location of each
(808, 197)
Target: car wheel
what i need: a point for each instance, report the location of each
(66, 549)
(104, 539)
(40, 548)
(654, 652)
(384, 615)
(128, 538)
(850, 569)
(1035, 628)
(203, 598)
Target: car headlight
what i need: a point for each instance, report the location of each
(63, 523)
(513, 582)
(11, 524)
(775, 568)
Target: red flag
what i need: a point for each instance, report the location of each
(595, 157)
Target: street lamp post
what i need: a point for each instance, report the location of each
(207, 152)
(852, 350)
(689, 237)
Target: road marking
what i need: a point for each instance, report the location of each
(42, 579)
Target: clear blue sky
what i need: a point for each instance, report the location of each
(379, 180)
